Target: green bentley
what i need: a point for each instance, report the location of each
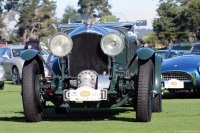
(96, 65)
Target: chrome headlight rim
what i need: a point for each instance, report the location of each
(69, 45)
(115, 53)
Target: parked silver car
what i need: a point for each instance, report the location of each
(11, 61)
(2, 78)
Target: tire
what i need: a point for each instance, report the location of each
(143, 94)
(32, 108)
(2, 86)
(157, 103)
(15, 76)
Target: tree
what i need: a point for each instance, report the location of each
(103, 7)
(34, 16)
(100, 7)
(7, 15)
(1, 16)
(27, 15)
(45, 14)
(179, 20)
(192, 17)
(109, 18)
(165, 26)
(152, 40)
(2, 25)
(69, 11)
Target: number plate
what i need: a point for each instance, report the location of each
(174, 83)
(85, 95)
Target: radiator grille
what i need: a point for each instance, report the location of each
(176, 75)
(87, 54)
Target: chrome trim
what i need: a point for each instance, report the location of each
(179, 75)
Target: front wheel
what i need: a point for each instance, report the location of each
(143, 94)
(30, 84)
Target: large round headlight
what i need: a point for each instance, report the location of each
(1, 71)
(61, 45)
(112, 44)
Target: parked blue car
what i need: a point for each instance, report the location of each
(182, 72)
(165, 54)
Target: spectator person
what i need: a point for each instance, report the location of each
(33, 43)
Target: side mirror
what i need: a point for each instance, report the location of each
(5, 56)
(141, 23)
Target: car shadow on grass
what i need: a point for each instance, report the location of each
(12, 119)
(89, 115)
(80, 115)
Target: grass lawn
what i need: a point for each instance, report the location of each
(181, 114)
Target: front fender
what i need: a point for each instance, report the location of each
(157, 70)
(144, 53)
(28, 54)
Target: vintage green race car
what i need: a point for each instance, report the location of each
(97, 65)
